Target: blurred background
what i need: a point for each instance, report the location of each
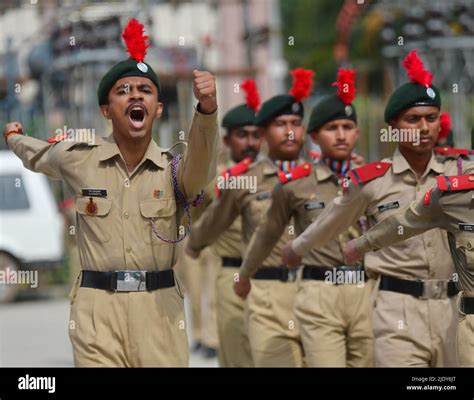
(54, 52)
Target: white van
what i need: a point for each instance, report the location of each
(31, 227)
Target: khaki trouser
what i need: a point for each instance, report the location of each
(335, 323)
(465, 339)
(234, 346)
(128, 329)
(272, 327)
(198, 277)
(411, 332)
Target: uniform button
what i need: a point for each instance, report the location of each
(428, 244)
(125, 215)
(128, 249)
(432, 274)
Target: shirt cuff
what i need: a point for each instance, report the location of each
(298, 247)
(363, 244)
(12, 139)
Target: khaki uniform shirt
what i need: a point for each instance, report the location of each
(421, 257)
(229, 243)
(453, 211)
(303, 200)
(250, 206)
(118, 234)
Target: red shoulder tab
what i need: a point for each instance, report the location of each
(427, 197)
(447, 151)
(455, 183)
(295, 173)
(314, 154)
(369, 172)
(58, 138)
(235, 170)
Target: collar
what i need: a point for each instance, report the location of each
(322, 171)
(338, 168)
(154, 153)
(400, 164)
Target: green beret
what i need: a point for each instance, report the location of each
(411, 95)
(328, 109)
(283, 104)
(239, 116)
(122, 70)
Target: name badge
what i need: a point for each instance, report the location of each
(466, 227)
(389, 206)
(87, 192)
(312, 205)
(264, 196)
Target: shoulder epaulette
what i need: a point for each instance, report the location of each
(369, 172)
(295, 173)
(58, 138)
(455, 183)
(448, 151)
(236, 170)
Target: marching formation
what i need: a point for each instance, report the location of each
(323, 259)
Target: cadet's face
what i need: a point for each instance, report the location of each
(285, 137)
(423, 121)
(244, 141)
(133, 107)
(337, 138)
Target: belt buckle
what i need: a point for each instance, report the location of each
(130, 281)
(434, 289)
(288, 275)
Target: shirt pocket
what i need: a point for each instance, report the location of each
(163, 213)
(93, 221)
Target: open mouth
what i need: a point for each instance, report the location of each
(136, 115)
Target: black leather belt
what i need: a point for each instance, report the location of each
(128, 280)
(281, 273)
(231, 262)
(348, 274)
(467, 305)
(423, 289)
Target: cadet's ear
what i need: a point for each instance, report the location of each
(105, 111)
(159, 110)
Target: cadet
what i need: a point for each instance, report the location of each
(128, 309)
(334, 317)
(413, 324)
(243, 139)
(272, 328)
(450, 205)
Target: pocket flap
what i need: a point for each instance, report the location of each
(102, 206)
(157, 208)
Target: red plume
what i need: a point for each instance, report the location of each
(302, 83)
(345, 83)
(416, 71)
(251, 94)
(445, 125)
(135, 40)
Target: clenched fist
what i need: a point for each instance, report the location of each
(12, 127)
(204, 88)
